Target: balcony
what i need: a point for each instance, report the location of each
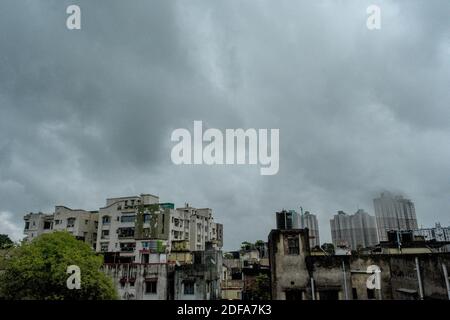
(125, 233)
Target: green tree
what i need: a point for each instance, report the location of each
(228, 255)
(246, 245)
(37, 270)
(5, 241)
(328, 248)
(259, 243)
(261, 288)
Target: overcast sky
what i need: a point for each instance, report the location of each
(87, 114)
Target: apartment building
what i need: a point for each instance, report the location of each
(199, 279)
(80, 223)
(199, 227)
(438, 233)
(394, 212)
(309, 220)
(37, 224)
(354, 231)
(141, 229)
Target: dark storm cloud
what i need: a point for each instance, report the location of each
(88, 114)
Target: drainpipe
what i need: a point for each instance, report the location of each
(444, 268)
(313, 290)
(345, 280)
(419, 278)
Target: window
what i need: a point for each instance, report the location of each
(370, 294)
(27, 225)
(106, 219)
(294, 294)
(104, 246)
(70, 222)
(354, 294)
(127, 247)
(150, 286)
(189, 287)
(86, 222)
(105, 234)
(47, 225)
(146, 218)
(293, 246)
(57, 221)
(329, 295)
(125, 232)
(127, 218)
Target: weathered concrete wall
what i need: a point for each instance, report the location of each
(288, 271)
(358, 268)
(328, 275)
(404, 275)
(205, 274)
(130, 280)
(345, 277)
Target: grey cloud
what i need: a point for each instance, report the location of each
(88, 114)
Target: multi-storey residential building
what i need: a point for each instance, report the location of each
(127, 224)
(37, 224)
(201, 227)
(80, 223)
(438, 233)
(140, 229)
(308, 220)
(353, 231)
(393, 212)
(198, 279)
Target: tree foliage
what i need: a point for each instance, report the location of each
(37, 270)
(328, 248)
(261, 288)
(5, 241)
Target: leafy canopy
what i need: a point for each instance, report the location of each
(37, 270)
(5, 241)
